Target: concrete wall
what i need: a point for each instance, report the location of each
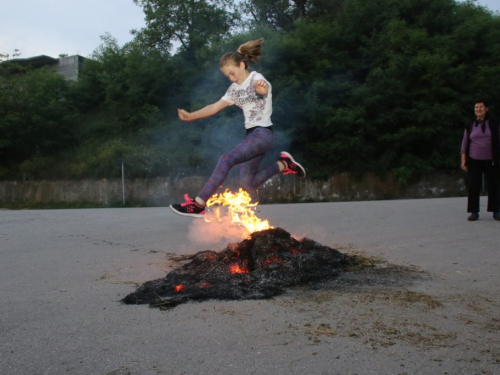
(69, 66)
(163, 191)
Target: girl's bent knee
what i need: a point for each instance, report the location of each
(247, 185)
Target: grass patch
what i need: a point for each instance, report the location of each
(357, 262)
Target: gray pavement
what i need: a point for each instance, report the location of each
(63, 273)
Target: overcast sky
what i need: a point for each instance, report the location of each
(53, 27)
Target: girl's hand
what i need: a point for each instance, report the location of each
(261, 87)
(184, 115)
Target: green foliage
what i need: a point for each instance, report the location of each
(276, 15)
(36, 117)
(357, 86)
(195, 24)
(386, 84)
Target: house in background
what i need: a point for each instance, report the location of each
(68, 66)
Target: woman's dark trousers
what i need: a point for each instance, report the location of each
(476, 169)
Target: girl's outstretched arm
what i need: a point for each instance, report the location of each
(207, 111)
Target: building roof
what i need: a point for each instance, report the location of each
(35, 61)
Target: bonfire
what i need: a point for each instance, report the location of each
(260, 266)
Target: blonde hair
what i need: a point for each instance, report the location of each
(248, 52)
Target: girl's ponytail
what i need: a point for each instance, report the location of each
(248, 52)
(251, 50)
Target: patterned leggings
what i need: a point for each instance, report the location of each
(248, 153)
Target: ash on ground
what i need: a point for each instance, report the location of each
(259, 267)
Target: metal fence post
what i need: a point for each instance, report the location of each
(123, 182)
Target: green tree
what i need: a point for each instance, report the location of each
(277, 15)
(357, 85)
(36, 117)
(126, 86)
(128, 93)
(382, 84)
(194, 24)
(280, 15)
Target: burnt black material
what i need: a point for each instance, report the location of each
(259, 267)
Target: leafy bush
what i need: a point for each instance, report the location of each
(358, 86)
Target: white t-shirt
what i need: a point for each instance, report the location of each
(257, 109)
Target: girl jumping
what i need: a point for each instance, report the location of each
(253, 94)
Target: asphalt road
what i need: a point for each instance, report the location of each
(431, 307)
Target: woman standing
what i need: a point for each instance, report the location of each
(481, 155)
(253, 94)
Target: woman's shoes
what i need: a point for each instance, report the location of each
(473, 216)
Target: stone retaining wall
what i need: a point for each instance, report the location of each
(279, 189)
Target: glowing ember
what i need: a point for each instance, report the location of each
(179, 288)
(271, 260)
(261, 266)
(240, 209)
(236, 268)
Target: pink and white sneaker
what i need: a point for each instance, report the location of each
(291, 165)
(189, 208)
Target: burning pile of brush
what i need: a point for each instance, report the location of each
(260, 266)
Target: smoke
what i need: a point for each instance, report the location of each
(223, 131)
(188, 149)
(309, 231)
(215, 230)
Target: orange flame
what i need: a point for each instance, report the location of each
(240, 208)
(179, 288)
(236, 268)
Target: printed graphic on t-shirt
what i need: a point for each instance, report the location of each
(256, 108)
